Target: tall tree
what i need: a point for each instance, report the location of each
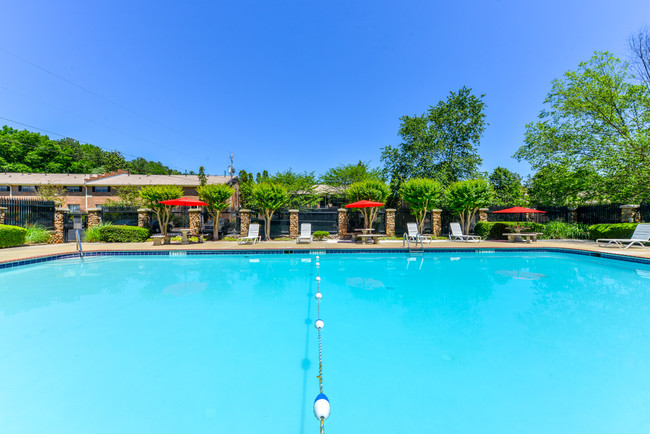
(556, 185)
(268, 197)
(301, 188)
(152, 195)
(640, 48)
(597, 123)
(345, 175)
(372, 190)
(440, 144)
(203, 179)
(507, 187)
(466, 197)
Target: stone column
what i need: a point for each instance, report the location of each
(3, 210)
(390, 222)
(144, 218)
(573, 215)
(343, 223)
(294, 228)
(195, 221)
(483, 214)
(245, 218)
(630, 214)
(94, 217)
(60, 215)
(436, 222)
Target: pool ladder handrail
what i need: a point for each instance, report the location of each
(81, 251)
(407, 240)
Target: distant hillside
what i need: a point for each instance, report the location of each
(25, 151)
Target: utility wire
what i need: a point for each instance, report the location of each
(97, 95)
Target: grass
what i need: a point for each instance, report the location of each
(36, 234)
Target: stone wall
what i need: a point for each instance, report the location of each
(144, 218)
(195, 221)
(630, 214)
(60, 215)
(245, 218)
(3, 210)
(483, 214)
(436, 222)
(343, 223)
(294, 224)
(94, 217)
(390, 222)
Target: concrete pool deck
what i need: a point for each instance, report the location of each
(21, 253)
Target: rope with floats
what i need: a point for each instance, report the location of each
(321, 403)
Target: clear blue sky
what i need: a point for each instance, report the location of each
(289, 84)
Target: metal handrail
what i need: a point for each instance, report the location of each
(81, 251)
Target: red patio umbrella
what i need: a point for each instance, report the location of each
(518, 210)
(364, 204)
(183, 201)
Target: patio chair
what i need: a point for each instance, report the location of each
(253, 234)
(413, 234)
(456, 234)
(305, 233)
(640, 236)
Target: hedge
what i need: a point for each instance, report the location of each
(612, 230)
(123, 234)
(495, 230)
(12, 236)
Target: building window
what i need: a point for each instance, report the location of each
(26, 188)
(74, 208)
(101, 189)
(73, 189)
(4, 188)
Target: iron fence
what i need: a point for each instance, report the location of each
(355, 221)
(594, 214)
(644, 210)
(21, 212)
(321, 220)
(120, 215)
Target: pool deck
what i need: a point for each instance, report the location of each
(38, 251)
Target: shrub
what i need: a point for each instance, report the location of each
(36, 234)
(123, 234)
(561, 230)
(92, 235)
(612, 230)
(320, 235)
(495, 230)
(12, 236)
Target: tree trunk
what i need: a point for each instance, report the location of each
(215, 226)
(267, 225)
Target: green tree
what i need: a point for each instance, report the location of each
(466, 197)
(597, 123)
(129, 195)
(55, 193)
(555, 185)
(372, 190)
(301, 188)
(268, 197)
(422, 195)
(507, 187)
(203, 179)
(153, 194)
(440, 144)
(345, 175)
(246, 184)
(217, 196)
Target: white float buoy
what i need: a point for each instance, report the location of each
(321, 407)
(317, 278)
(319, 324)
(317, 257)
(319, 296)
(317, 264)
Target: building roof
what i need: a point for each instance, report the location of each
(114, 179)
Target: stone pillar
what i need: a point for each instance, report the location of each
(245, 218)
(483, 214)
(144, 218)
(3, 210)
(436, 222)
(195, 221)
(390, 222)
(294, 228)
(343, 223)
(94, 217)
(573, 215)
(60, 215)
(630, 214)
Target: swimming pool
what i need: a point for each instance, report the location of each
(445, 342)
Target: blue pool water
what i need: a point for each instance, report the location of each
(441, 343)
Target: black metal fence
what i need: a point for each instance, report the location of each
(594, 214)
(644, 210)
(120, 215)
(21, 212)
(321, 220)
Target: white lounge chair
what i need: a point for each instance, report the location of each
(253, 234)
(640, 236)
(413, 234)
(456, 234)
(305, 233)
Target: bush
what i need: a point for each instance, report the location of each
(92, 235)
(12, 236)
(612, 230)
(320, 235)
(495, 230)
(123, 234)
(36, 234)
(561, 230)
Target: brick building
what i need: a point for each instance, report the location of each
(90, 191)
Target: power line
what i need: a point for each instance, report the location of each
(97, 95)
